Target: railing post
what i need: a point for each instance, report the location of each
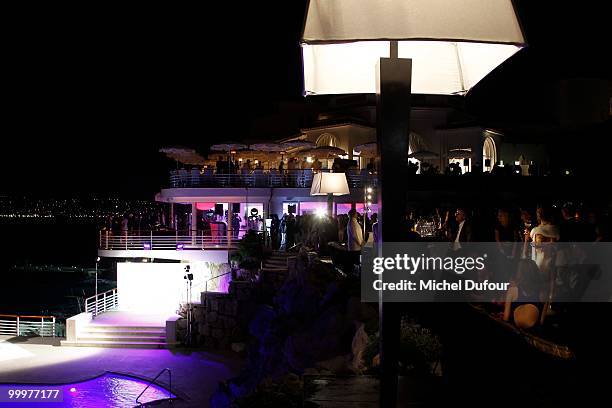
(42, 327)
(104, 302)
(151, 240)
(17, 326)
(53, 323)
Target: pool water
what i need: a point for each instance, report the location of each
(109, 390)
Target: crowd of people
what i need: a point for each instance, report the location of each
(317, 230)
(539, 274)
(135, 222)
(519, 234)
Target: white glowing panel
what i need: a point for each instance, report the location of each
(452, 44)
(158, 288)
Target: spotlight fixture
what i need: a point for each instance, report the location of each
(188, 273)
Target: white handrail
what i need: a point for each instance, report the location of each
(23, 325)
(102, 302)
(258, 178)
(127, 241)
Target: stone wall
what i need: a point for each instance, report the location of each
(222, 318)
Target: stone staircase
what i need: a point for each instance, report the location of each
(275, 269)
(276, 262)
(108, 332)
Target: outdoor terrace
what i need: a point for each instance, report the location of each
(261, 178)
(152, 240)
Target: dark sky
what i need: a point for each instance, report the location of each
(91, 93)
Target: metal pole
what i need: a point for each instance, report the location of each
(17, 334)
(393, 127)
(96, 289)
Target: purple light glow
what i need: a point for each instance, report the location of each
(107, 390)
(180, 247)
(146, 246)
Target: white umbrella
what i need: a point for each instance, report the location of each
(250, 154)
(295, 144)
(325, 152)
(183, 155)
(367, 149)
(227, 146)
(423, 155)
(460, 154)
(267, 147)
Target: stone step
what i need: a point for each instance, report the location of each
(276, 264)
(284, 261)
(137, 333)
(116, 328)
(116, 344)
(276, 260)
(122, 339)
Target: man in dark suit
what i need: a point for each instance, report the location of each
(463, 233)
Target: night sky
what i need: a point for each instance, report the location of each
(90, 94)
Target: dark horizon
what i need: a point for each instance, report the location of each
(93, 94)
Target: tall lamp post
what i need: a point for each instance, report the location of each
(395, 48)
(96, 290)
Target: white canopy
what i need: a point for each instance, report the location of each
(453, 44)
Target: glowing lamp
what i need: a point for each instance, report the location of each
(180, 246)
(453, 44)
(146, 246)
(329, 184)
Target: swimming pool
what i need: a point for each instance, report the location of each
(110, 390)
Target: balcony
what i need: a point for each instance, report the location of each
(261, 178)
(181, 240)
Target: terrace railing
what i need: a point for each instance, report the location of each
(261, 178)
(178, 241)
(22, 325)
(103, 302)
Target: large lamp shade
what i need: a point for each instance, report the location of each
(453, 44)
(329, 183)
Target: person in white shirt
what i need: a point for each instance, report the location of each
(354, 232)
(354, 238)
